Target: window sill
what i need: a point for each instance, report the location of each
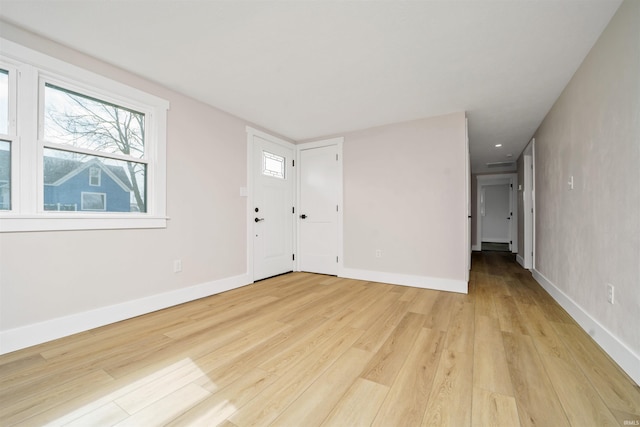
(59, 222)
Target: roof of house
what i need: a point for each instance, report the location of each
(57, 170)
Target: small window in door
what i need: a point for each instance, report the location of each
(273, 165)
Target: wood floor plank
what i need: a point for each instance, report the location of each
(493, 409)
(461, 328)
(153, 391)
(537, 401)
(510, 317)
(98, 395)
(268, 404)
(53, 395)
(406, 401)
(440, 313)
(296, 349)
(489, 358)
(106, 415)
(451, 389)
(484, 301)
(370, 316)
(615, 388)
(387, 361)
(226, 401)
(29, 362)
(303, 348)
(213, 321)
(227, 364)
(544, 336)
(580, 401)
(520, 293)
(167, 408)
(376, 334)
(358, 406)
(318, 306)
(625, 418)
(192, 346)
(307, 409)
(424, 301)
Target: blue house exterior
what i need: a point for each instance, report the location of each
(71, 185)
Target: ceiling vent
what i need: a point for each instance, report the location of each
(501, 164)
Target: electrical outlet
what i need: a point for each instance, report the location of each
(610, 293)
(378, 253)
(177, 266)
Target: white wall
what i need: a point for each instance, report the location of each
(590, 236)
(404, 191)
(403, 185)
(53, 282)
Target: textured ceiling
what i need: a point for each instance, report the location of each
(308, 69)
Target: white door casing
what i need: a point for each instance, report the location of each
(528, 203)
(467, 177)
(319, 212)
(270, 214)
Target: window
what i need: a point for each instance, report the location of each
(77, 132)
(5, 175)
(86, 130)
(94, 176)
(273, 165)
(5, 141)
(94, 201)
(4, 101)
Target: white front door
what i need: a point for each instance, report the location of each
(318, 213)
(272, 211)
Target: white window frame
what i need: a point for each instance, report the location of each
(11, 136)
(31, 70)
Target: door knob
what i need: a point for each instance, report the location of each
(303, 216)
(259, 219)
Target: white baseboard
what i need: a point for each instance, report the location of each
(477, 248)
(424, 282)
(623, 355)
(37, 333)
(520, 261)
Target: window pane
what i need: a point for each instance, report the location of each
(4, 101)
(69, 183)
(272, 165)
(5, 175)
(82, 121)
(94, 202)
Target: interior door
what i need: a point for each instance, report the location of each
(496, 222)
(273, 218)
(318, 210)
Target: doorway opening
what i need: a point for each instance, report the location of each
(497, 228)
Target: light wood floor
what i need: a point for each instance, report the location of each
(307, 350)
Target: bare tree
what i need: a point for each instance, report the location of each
(99, 126)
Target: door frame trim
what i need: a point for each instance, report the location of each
(338, 142)
(249, 189)
(499, 179)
